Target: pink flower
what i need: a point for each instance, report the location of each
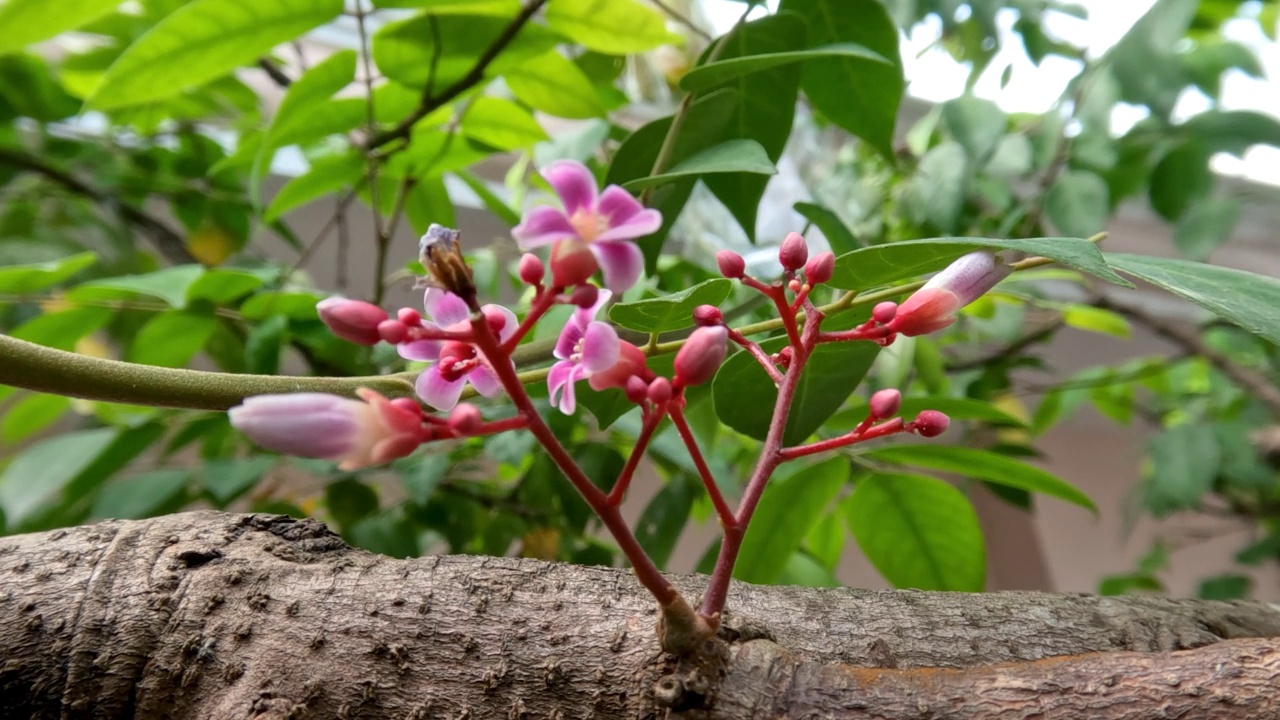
(934, 306)
(317, 425)
(586, 346)
(701, 355)
(352, 320)
(456, 363)
(603, 224)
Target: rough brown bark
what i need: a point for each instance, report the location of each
(209, 615)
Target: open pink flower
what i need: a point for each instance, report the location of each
(934, 306)
(604, 224)
(318, 425)
(586, 346)
(455, 363)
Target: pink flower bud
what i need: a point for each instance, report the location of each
(659, 391)
(464, 419)
(636, 389)
(793, 252)
(409, 317)
(930, 423)
(355, 433)
(701, 356)
(884, 312)
(820, 267)
(495, 318)
(585, 296)
(708, 315)
(393, 331)
(731, 264)
(885, 403)
(934, 306)
(571, 263)
(352, 320)
(531, 269)
(630, 363)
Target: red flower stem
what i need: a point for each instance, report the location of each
(862, 332)
(770, 458)
(542, 302)
(503, 425)
(727, 520)
(646, 572)
(892, 427)
(423, 333)
(778, 294)
(649, 425)
(758, 353)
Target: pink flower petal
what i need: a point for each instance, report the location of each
(437, 392)
(618, 205)
(586, 315)
(511, 325)
(562, 377)
(425, 350)
(569, 338)
(542, 226)
(444, 307)
(644, 223)
(600, 348)
(621, 262)
(484, 381)
(574, 183)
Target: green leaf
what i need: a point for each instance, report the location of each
(838, 235)
(1078, 203)
(327, 175)
(1242, 298)
(805, 571)
(34, 277)
(142, 496)
(1225, 587)
(42, 470)
(1233, 131)
(553, 84)
(918, 531)
(1206, 226)
(1184, 463)
(501, 124)
(203, 40)
(30, 415)
(62, 330)
(789, 508)
(719, 72)
(170, 285)
(730, 156)
(859, 94)
(955, 408)
(982, 465)
(349, 500)
(263, 345)
(226, 480)
(976, 123)
(404, 50)
(1180, 178)
(670, 312)
(428, 202)
(883, 264)
(492, 202)
(764, 106)
(498, 8)
(825, 541)
(223, 286)
(935, 195)
(663, 519)
(744, 395)
(1092, 319)
(172, 338)
(1129, 584)
(298, 107)
(26, 22)
(615, 27)
(293, 305)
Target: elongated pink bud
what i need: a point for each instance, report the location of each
(793, 252)
(820, 267)
(934, 306)
(884, 312)
(465, 419)
(731, 264)
(531, 269)
(352, 320)
(659, 391)
(393, 331)
(885, 403)
(701, 356)
(708, 315)
(930, 423)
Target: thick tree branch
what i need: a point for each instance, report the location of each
(167, 242)
(209, 615)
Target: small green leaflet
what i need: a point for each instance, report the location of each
(670, 312)
(730, 156)
(708, 76)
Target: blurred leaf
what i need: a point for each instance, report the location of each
(670, 312)
(1078, 204)
(1242, 464)
(170, 285)
(499, 8)
(141, 496)
(26, 22)
(349, 500)
(202, 40)
(405, 52)
(789, 508)
(501, 124)
(838, 235)
(983, 465)
(62, 330)
(42, 470)
(721, 71)
(805, 571)
(1242, 298)
(1225, 587)
(171, 339)
(919, 532)
(1092, 319)
(293, 305)
(1233, 131)
(664, 518)
(883, 264)
(492, 202)
(955, 408)
(1184, 463)
(1129, 584)
(34, 277)
(30, 415)
(935, 195)
(327, 175)
(298, 107)
(422, 474)
(1206, 226)
(1180, 178)
(428, 202)
(553, 84)
(858, 94)
(825, 541)
(226, 480)
(222, 286)
(976, 123)
(386, 533)
(730, 156)
(616, 27)
(263, 345)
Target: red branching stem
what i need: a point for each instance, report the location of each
(777, 292)
(646, 572)
(649, 424)
(758, 353)
(425, 333)
(865, 331)
(770, 457)
(727, 519)
(802, 298)
(544, 300)
(891, 427)
(512, 423)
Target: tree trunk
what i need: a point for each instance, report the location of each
(211, 615)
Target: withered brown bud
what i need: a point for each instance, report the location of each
(441, 254)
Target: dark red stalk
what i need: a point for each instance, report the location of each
(727, 519)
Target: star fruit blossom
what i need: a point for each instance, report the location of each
(455, 363)
(603, 224)
(586, 346)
